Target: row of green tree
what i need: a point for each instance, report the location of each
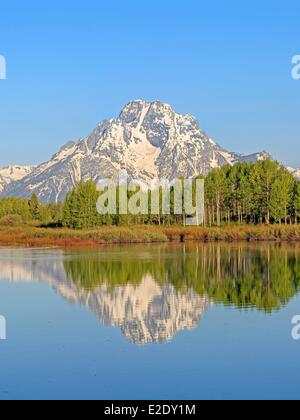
(263, 192)
(31, 210)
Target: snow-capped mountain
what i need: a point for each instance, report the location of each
(149, 140)
(12, 173)
(255, 157)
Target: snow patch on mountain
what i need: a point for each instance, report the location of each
(295, 172)
(13, 173)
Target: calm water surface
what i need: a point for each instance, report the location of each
(150, 322)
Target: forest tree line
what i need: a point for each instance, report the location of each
(263, 192)
(260, 193)
(18, 210)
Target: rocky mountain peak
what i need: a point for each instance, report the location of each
(148, 139)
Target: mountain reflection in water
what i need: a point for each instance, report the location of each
(152, 292)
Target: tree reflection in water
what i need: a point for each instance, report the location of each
(153, 294)
(153, 291)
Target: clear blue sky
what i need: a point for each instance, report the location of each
(71, 64)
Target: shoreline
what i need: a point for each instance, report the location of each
(32, 236)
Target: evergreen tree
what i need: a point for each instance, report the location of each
(34, 207)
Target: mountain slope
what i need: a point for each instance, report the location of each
(148, 140)
(12, 173)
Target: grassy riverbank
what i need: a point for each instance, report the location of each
(33, 236)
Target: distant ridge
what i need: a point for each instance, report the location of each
(13, 173)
